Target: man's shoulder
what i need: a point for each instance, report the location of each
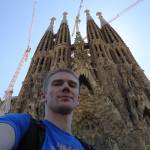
(15, 117)
(19, 122)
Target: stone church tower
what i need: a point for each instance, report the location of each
(114, 111)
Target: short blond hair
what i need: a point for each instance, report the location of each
(50, 74)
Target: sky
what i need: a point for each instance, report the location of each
(16, 16)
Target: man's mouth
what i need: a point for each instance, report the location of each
(65, 98)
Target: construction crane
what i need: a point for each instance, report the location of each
(125, 10)
(122, 12)
(77, 20)
(5, 107)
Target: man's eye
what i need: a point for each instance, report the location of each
(57, 83)
(74, 85)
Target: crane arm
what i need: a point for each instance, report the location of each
(122, 12)
(15, 76)
(76, 27)
(125, 10)
(32, 21)
(5, 107)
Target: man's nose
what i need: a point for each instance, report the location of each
(66, 87)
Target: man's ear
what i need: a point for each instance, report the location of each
(43, 97)
(78, 101)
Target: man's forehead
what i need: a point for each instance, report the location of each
(63, 76)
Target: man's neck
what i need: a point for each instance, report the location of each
(61, 121)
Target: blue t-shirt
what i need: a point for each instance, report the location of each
(55, 138)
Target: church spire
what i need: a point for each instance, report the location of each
(93, 31)
(51, 26)
(63, 34)
(47, 41)
(102, 20)
(62, 50)
(119, 54)
(109, 34)
(64, 20)
(42, 63)
(89, 17)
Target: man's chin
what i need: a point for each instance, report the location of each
(64, 110)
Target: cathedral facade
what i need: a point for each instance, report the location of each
(114, 111)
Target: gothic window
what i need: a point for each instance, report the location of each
(118, 38)
(105, 36)
(61, 36)
(90, 31)
(50, 43)
(41, 64)
(64, 54)
(41, 48)
(59, 54)
(113, 56)
(31, 84)
(42, 43)
(114, 34)
(65, 31)
(95, 32)
(46, 64)
(46, 46)
(42, 61)
(96, 50)
(102, 53)
(35, 65)
(47, 42)
(109, 34)
(126, 56)
(107, 52)
(119, 55)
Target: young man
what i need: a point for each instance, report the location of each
(61, 96)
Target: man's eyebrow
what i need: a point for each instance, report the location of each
(57, 80)
(61, 80)
(74, 82)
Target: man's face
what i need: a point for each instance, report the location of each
(62, 94)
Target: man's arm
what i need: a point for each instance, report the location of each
(7, 137)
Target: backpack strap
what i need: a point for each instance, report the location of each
(34, 137)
